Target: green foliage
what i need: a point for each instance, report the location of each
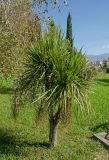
(105, 66)
(56, 74)
(69, 29)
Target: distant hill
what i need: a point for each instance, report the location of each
(100, 57)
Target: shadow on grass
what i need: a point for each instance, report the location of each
(103, 126)
(10, 144)
(103, 81)
(6, 90)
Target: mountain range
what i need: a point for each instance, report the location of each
(99, 57)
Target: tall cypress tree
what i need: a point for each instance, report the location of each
(69, 29)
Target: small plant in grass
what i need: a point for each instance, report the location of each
(56, 75)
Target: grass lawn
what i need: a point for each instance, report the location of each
(25, 139)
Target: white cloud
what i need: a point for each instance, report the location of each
(105, 46)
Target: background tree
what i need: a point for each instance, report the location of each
(19, 27)
(56, 75)
(69, 29)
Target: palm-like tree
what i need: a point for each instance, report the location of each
(57, 77)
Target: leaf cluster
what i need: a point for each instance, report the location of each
(56, 73)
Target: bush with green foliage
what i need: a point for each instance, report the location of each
(19, 27)
(58, 78)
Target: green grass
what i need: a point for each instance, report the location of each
(25, 139)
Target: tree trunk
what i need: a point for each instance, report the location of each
(53, 132)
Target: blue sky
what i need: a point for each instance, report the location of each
(90, 20)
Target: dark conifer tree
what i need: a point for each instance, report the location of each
(69, 29)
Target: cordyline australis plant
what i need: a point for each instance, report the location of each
(57, 76)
